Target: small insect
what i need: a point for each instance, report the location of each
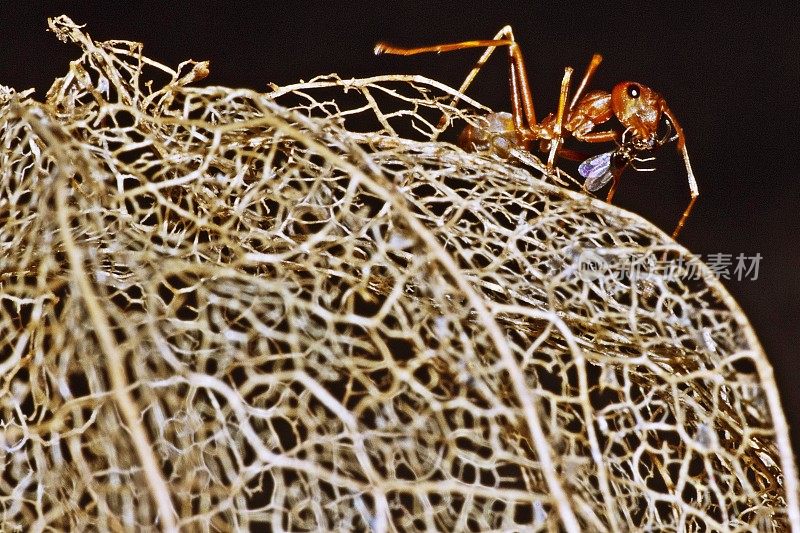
(638, 109)
(599, 169)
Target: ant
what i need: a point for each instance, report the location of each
(638, 109)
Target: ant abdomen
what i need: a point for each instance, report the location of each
(497, 135)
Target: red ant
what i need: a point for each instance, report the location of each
(638, 109)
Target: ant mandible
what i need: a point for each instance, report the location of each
(638, 109)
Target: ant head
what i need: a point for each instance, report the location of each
(638, 108)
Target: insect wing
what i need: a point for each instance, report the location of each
(594, 184)
(595, 166)
(596, 170)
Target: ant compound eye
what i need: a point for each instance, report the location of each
(633, 90)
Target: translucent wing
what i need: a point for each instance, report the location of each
(596, 170)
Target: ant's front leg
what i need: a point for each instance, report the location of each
(614, 184)
(694, 191)
(598, 136)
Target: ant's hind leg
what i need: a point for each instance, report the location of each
(386, 48)
(505, 33)
(523, 111)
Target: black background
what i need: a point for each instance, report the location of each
(731, 75)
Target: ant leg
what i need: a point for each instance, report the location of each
(385, 48)
(521, 98)
(693, 191)
(505, 33)
(572, 155)
(678, 132)
(682, 221)
(518, 77)
(599, 136)
(562, 102)
(587, 76)
(613, 190)
(521, 93)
